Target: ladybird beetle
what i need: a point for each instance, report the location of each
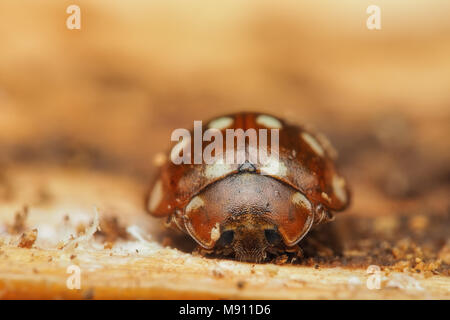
(251, 210)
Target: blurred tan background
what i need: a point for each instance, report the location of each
(111, 93)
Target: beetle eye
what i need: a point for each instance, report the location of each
(272, 236)
(226, 238)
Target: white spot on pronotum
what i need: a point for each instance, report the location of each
(338, 184)
(194, 204)
(326, 197)
(156, 196)
(273, 166)
(300, 200)
(312, 142)
(269, 121)
(220, 123)
(215, 232)
(217, 169)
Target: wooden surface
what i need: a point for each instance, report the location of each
(144, 267)
(84, 114)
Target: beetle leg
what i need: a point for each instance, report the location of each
(322, 215)
(169, 223)
(274, 250)
(298, 252)
(174, 222)
(225, 251)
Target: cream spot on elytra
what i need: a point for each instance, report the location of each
(326, 197)
(300, 200)
(215, 232)
(313, 143)
(156, 196)
(221, 123)
(326, 144)
(273, 166)
(217, 169)
(338, 184)
(268, 121)
(194, 204)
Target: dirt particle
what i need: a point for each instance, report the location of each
(60, 245)
(108, 245)
(217, 273)
(240, 284)
(28, 238)
(282, 259)
(80, 229)
(88, 294)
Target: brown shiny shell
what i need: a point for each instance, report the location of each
(305, 163)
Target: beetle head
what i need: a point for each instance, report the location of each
(249, 235)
